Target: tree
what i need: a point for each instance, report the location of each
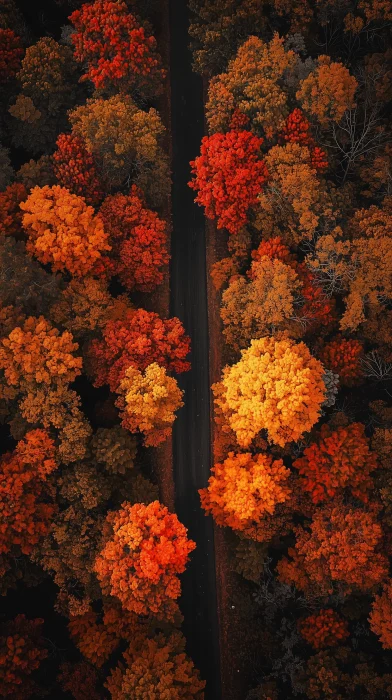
(343, 356)
(146, 550)
(10, 212)
(80, 679)
(11, 54)
(148, 402)
(62, 230)
(261, 305)
(229, 174)
(27, 504)
(277, 386)
(252, 83)
(83, 306)
(324, 629)
(340, 459)
(328, 91)
(118, 50)
(380, 616)
(115, 448)
(75, 169)
(37, 355)
(157, 666)
(339, 550)
(125, 143)
(139, 238)
(297, 129)
(244, 489)
(139, 339)
(21, 652)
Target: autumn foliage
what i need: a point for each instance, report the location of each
(21, 652)
(75, 169)
(277, 386)
(11, 54)
(228, 176)
(324, 629)
(62, 230)
(243, 489)
(141, 560)
(380, 616)
(119, 52)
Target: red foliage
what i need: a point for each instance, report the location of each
(26, 506)
(239, 120)
(137, 340)
(21, 652)
(343, 356)
(75, 169)
(116, 48)
(141, 560)
(10, 212)
(79, 679)
(11, 54)
(228, 176)
(318, 309)
(340, 459)
(274, 248)
(139, 236)
(297, 130)
(324, 629)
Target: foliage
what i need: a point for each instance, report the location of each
(62, 230)
(11, 54)
(22, 651)
(139, 339)
(119, 52)
(157, 666)
(75, 170)
(340, 459)
(328, 91)
(139, 238)
(380, 616)
(324, 629)
(343, 356)
(324, 557)
(146, 550)
(148, 402)
(245, 488)
(10, 212)
(228, 176)
(277, 386)
(125, 143)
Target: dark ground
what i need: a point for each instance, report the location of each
(191, 435)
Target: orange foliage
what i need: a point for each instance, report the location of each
(380, 618)
(297, 130)
(156, 668)
(228, 176)
(10, 212)
(341, 547)
(340, 459)
(27, 505)
(37, 354)
(142, 558)
(276, 386)
(137, 340)
(252, 85)
(244, 489)
(274, 248)
(328, 91)
(343, 356)
(324, 629)
(62, 230)
(149, 401)
(21, 653)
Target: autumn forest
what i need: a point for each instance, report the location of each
(196, 349)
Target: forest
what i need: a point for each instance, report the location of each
(196, 352)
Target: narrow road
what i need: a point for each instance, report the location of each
(191, 435)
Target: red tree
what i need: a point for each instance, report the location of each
(147, 549)
(228, 176)
(137, 340)
(74, 168)
(139, 239)
(11, 54)
(297, 130)
(21, 652)
(117, 49)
